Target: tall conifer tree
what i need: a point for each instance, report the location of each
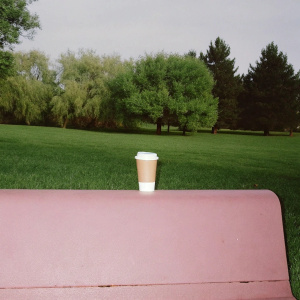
(271, 97)
(227, 83)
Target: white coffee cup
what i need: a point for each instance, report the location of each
(146, 163)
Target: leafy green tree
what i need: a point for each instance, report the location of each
(271, 97)
(164, 89)
(25, 96)
(102, 69)
(15, 21)
(69, 103)
(121, 89)
(6, 64)
(192, 53)
(111, 66)
(141, 92)
(23, 100)
(34, 65)
(190, 87)
(87, 74)
(227, 86)
(74, 76)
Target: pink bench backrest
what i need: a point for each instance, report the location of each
(129, 245)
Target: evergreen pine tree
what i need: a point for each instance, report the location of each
(227, 84)
(271, 97)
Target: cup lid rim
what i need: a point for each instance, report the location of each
(146, 155)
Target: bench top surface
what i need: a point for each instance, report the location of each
(67, 238)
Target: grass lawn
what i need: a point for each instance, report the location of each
(54, 158)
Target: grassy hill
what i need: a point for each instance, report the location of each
(54, 158)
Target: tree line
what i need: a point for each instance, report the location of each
(85, 90)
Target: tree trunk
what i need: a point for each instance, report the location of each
(168, 127)
(291, 132)
(214, 130)
(158, 127)
(65, 123)
(266, 132)
(184, 130)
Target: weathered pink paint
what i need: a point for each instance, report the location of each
(59, 244)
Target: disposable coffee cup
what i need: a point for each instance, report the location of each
(146, 163)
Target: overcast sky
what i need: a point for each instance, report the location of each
(132, 28)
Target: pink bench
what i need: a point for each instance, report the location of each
(58, 244)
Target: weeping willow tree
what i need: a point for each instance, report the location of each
(69, 103)
(83, 93)
(23, 100)
(25, 96)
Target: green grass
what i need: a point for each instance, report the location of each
(54, 158)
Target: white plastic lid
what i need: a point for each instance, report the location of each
(146, 186)
(146, 156)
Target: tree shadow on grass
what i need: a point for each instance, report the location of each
(145, 131)
(176, 132)
(245, 132)
(158, 172)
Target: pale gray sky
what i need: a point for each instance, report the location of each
(132, 28)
